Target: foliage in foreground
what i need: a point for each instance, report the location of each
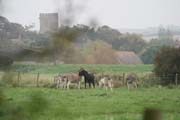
(22, 110)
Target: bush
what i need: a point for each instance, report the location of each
(167, 64)
(150, 80)
(149, 54)
(9, 79)
(5, 61)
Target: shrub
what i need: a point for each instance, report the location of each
(5, 61)
(9, 79)
(167, 64)
(150, 80)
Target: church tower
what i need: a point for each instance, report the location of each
(48, 22)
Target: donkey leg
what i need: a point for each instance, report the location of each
(111, 87)
(57, 84)
(63, 85)
(85, 84)
(79, 84)
(135, 84)
(68, 84)
(93, 84)
(106, 87)
(100, 85)
(89, 84)
(128, 86)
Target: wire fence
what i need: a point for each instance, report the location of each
(19, 79)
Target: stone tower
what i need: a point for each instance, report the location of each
(48, 22)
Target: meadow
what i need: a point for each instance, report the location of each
(91, 104)
(40, 103)
(73, 68)
(48, 71)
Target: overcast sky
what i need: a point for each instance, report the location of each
(115, 13)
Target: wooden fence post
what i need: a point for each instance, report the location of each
(123, 78)
(37, 80)
(150, 81)
(176, 79)
(19, 77)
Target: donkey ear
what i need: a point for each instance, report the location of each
(81, 69)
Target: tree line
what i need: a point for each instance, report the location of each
(82, 43)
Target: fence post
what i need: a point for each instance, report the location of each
(123, 78)
(150, 82)
(19, 77)
(176, 79)
(37, 80)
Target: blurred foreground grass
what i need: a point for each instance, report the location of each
(98, 104)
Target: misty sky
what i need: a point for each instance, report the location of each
(115, 13)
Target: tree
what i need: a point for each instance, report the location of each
(5, 61)
(100, 52)
(167, 63)
(62, 39)
(148, 55)
(165, 37)
(72, 54)
(131, 42)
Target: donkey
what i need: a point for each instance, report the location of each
(59, 81)
(71, 78)
(89, 78)
(106, 83)
(131, 80)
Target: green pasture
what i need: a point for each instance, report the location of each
(28, 102)
(73, 68)
(91, 104)
(29, 73)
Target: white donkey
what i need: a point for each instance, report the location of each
(106, 83)
(60, 82)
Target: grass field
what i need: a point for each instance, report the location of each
(97, 104)
(89, 104)
(47, 72)
(28, 76)
(73, 68)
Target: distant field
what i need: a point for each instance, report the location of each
(73, 68)
(96, 104)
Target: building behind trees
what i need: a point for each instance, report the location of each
(48, 22)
